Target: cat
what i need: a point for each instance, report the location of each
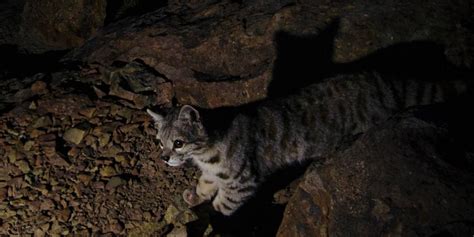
(272, 134)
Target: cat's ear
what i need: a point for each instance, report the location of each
(156, 117)
(188, 113)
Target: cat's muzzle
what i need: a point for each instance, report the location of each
(172, 161)
(165, 158)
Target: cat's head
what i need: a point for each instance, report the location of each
(180, 134)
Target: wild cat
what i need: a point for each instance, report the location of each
(269, 135)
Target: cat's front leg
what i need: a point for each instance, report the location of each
(204, 191)
(231, 197)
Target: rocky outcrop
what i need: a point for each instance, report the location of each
(48, 25)
(408, 177)
(57, 25)
(223, 53)
(10, 19)
(202, 46)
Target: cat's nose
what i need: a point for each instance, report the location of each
(165, 158)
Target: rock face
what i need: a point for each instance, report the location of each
(40, 26)
(46, 27)
(222, 53)
(405, 178)
(10, 18)
(200, 47)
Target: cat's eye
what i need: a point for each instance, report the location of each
(178, 144)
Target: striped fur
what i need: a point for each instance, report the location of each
(273, 134)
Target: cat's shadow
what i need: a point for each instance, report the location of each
(301, 61)
(308, 59)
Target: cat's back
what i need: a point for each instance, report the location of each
(313, 122)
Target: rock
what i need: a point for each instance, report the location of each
(179, 214)
(36, 133)
(178, 231)
(56, 228)
(39, 87)
(113, 183)
(47, 204)
(3, 190)
(87, 112)
(399, 179)
(115, 227)
(4, 174)
(74, 135)
(84, 178)
(73, 152)
(63, 215)
(98, 185)
(41, 122)
(107, 171)
(22, 95)
(112, 151)
(45, 139)
(164, 94)
(23, 165)
(18, 203)
(91, 141)
(5, 214)
(99, 92)
(12, 156)
(66, 105)
(171, 213)
(39, 233)
(118, 91)
(28, 145)
(122, 112)
(45, 227)
(9, 26)
(208, 231)
(231, 60)
(145, 229)
(33, 105)
(57, 25)
(121, 9)
(104, 139)
(139, 85)
(284, 195)
(219, 94)
(57, 160)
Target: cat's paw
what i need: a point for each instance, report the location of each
(222, 208)
(191, 198)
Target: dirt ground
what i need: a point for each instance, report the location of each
(78, 162)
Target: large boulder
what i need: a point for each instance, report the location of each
(407, 177)
(49, 25)
(10, 19)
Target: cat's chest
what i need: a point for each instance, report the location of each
(211, 161)
(209, 167)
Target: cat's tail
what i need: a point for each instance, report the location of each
(423, 93)
(461, 89)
